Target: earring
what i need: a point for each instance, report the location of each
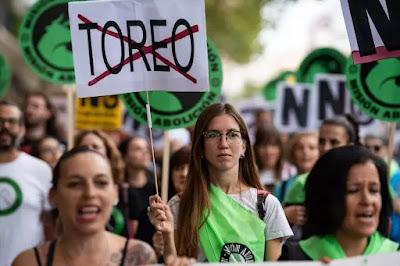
(115, 202)
(241, 156)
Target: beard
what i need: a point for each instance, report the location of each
(8, 140)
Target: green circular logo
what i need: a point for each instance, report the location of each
(177, 109)
(375, 87)
(269, 89)
(116, 223)
(5, 76)
(10, 196)
(45, 41)
(324, 60)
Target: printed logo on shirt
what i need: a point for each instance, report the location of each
(10, 196)
(235, 252)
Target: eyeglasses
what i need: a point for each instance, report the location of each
(10, 121)
(374, 148)
(231, 136)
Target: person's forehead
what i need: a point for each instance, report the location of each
(332, 130)
(10, 111)
(224, 121)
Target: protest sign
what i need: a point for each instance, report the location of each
(375, 88)
(178, 109)
(269, 89)
(98, 113)
(302, 107)
(127, 46)
(372, 27)
(45, 41)
(322, 60)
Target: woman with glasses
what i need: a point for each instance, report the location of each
(223, 214)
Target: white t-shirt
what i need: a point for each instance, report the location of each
(24, 185)
(276, 224)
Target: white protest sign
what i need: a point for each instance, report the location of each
(302, 107)
(135, 45)
(373, 28)
(295, 105)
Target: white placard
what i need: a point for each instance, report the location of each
(136, 45)
(372, 27)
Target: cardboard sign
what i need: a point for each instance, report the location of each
(135, 45)
(373, 28)
(302, 107)
(98, 113)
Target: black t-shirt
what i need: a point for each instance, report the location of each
(138, 203)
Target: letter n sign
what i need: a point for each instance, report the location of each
(373, 28)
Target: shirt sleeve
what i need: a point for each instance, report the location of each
(275, 220)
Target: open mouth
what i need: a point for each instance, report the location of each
(88, 213)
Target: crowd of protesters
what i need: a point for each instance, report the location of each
(234, 195)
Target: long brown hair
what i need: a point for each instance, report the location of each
(195, 198)
(269, 135)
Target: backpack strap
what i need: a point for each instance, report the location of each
(261, 196)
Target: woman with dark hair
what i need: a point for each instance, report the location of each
(334, 132)
(223, 214)
(178, 170)
(269, 155)
(338, 131)
(84, 192)
(348, 207)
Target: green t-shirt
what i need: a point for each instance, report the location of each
(296, 193)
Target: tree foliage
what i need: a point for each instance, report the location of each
(234, 25)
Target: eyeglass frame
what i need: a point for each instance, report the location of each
(220, 134)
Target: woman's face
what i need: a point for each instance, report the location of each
(138, 154)
(332, 136)
(305, 153)
(179, 175)
(269, 155)
(363, 201)
(223, 144)
(85, 193)
(50, 150)
(94, 142)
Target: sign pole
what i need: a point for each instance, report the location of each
(165, 167)
(150, 124)
(392, 131)
(70, 91)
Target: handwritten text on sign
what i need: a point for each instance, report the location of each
(136, 45)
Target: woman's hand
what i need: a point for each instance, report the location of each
(160, 215)
(296, 214)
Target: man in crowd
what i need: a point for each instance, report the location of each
(24, 185)
(40, 120)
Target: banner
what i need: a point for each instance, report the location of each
(373, 28)
(136, 45)
(98, 113)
